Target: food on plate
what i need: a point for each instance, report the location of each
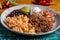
(20, 24)
(25, 9)
(36, 9)
(41, 22)
(30, 23)
(17, 13)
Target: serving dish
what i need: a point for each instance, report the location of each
(7, 11)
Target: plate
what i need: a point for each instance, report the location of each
(7, 11)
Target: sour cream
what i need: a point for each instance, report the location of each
(36, 9)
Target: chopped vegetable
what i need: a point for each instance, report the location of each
(4, 7)
(7, 4)
(12, 0)
(14, 4)
(0, 6)
(10, 5)
(43, 2)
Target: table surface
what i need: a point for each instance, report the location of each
(55, 4)
(8, 35)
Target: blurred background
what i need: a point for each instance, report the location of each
(54, 4)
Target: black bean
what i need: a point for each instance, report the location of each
(17, 13)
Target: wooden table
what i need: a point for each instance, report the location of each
(55, 4)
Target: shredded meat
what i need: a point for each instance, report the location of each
(40, 24)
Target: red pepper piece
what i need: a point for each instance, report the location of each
(10, 5)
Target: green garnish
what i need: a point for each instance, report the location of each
(0, 5)
(25, 9)
(13, 2)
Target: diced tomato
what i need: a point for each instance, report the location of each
(49, 19)
(41, 17)
(10, 5)
(41, 13)
(45, 11)
(49, 14)
(4, 7)
(44, 3)
(4, 3)
(41, 2)
(48, 1)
